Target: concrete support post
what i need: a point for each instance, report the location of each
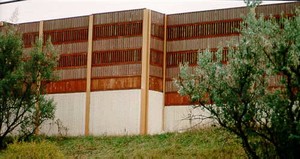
(37, 104)
(164, 71)
(145, 72)
(88, 76)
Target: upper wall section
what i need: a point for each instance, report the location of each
(59, 24)
(117, 50)
(30, 32)
(156, 51)
(230, 13)
(70, 38)
(189, 33)
(117, 41)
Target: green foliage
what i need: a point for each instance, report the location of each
(203, 143)
(237, 94)
(23, 77)
(32, 150)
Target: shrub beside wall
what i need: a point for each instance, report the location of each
(32, 150)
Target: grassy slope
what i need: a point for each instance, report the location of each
(208, 143)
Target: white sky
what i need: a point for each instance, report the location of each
(35, 10)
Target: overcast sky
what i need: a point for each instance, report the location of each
(35, 10)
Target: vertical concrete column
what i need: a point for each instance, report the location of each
(145, 71)
(88, 76)
(37, 104)
(41, 30)
(164, 71)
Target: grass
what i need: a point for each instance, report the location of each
(203, 143)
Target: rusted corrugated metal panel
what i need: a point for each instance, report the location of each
(170, 87)
(71, 73)
(190, 32)
(116, 57)
(116, 17)
(172, 72)
(117, 43)
(30, 32)
(155, 83)
(157, 18)
(227, 14)
(116, 70)
(116, 83)
(277, 9)
(156, 71)
(61, 24)
(157, 25)
(157, 44)
(156, 57)
(115, 30)
(69, 48)
(204, 30)
(66, 86)
(175, 58)
(69, 37)
(72, 60)
(206, 16)
(156, 51)
(29, 38)
(28, 27)
(196, 44)
(173, 98)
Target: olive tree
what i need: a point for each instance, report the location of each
(238, 94)
(23, 77)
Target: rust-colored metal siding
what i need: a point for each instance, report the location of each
(30, 32)
(188, 33)
(156, 51)
(117, 49)
(69, 36)
(117, 46)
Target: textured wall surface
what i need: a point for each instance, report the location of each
(176, 118)
(115, 112)
(70, 110)
(155, 112)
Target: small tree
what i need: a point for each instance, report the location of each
(238, 94)
(23, 78)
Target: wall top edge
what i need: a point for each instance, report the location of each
(80, 16)
(212, 10)
(45, 20)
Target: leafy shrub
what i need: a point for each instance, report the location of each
(32, 150)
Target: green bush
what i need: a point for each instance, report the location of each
(32, 150)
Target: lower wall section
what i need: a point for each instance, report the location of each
(155, 112)
(118, 113)
(177, 118)
(115, 112)
(70, 113)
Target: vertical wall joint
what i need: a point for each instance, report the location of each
(164, 70)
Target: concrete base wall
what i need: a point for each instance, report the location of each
(118, 113)
(177, 118)
(115, 112)
(155, 112)
(70, 113)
